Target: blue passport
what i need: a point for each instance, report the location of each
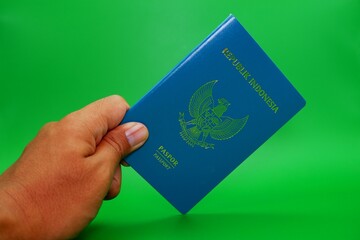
(206, 116)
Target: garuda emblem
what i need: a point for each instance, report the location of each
(208, 119)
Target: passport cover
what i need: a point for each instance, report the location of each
(206, 116)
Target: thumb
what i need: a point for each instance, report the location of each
(119, 142)
(114, 146)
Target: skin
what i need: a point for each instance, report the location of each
(56, 187)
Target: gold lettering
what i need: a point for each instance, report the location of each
(247, 74)
(165, 158)
(275, 109)
(256, 86)
(161, 161)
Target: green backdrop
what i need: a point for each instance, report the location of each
(304, 183)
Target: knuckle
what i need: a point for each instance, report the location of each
(70, 119)
(60, 135)
(118, 143)
(49, 129)
(120, 101)
(48, 126)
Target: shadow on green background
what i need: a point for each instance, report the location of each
(230, 226)
(304, 183)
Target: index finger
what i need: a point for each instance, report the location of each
(100, 116)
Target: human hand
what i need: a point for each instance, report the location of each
(55, 189)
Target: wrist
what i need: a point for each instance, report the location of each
(10, 217)
(16, 213)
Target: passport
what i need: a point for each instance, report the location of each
(209, 113)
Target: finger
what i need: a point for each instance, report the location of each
(100, 116)
(119, 142)
(115, 184)
(124, 163)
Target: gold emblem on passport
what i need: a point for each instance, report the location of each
(208, 119)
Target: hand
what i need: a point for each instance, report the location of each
(57, 186)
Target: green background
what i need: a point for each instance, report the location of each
(304, 183)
